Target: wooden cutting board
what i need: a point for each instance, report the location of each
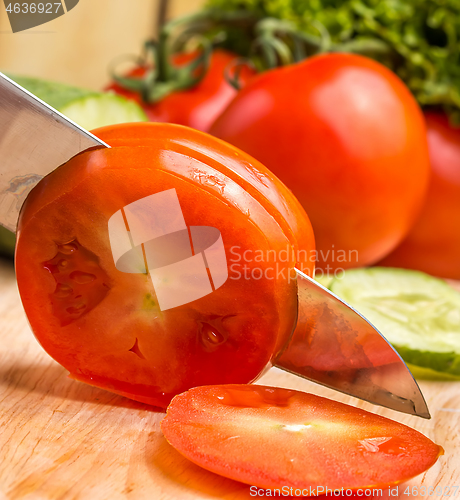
(61, 439)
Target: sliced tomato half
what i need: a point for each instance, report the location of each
(105, 322)
(271, 437)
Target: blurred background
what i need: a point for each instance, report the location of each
(77, 47)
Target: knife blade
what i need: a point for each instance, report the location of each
(332, 343)
(34, 140)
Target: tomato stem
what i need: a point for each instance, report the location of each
(162, 76)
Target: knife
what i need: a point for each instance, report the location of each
(332, 343)
(34, 140)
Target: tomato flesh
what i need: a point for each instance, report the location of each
(77, 273)
(106, 326)
(271, 437)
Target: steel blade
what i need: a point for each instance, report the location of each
(336, 346)
(34, 140)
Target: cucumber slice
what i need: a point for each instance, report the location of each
(324, 279)
(428, 374)
(103, 109)
(87, 108)
(418, 314)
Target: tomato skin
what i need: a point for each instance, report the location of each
(109, 331)
(198, 106)
(255, 178)
(433, 244)
(345, 134)
(271, 437)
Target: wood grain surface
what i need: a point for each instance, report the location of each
(62, 439)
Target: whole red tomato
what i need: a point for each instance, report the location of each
(433, 244)
(198, 106)
(347, 137)
(107, 325)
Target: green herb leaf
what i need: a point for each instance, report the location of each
(422, 36)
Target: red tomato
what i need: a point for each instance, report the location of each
(345, 134)
(271, 437)
(433, 244)
(198, 106)
(106, 326)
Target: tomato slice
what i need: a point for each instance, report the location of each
(106, 326)
(246, 171)
(271, 437)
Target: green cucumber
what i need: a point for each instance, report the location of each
(324, 279)
(7, 242)
(87, 108)
(418, 314)
(103, 109)
(421, 373)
